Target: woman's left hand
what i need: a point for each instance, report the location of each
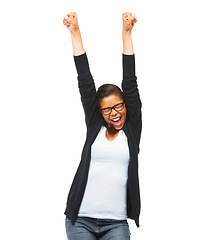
(129, 20)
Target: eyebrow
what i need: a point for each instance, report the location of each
(112, 106)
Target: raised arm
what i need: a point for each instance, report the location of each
(71, 22)
(85, 79)
(128, 23)
(129, 83)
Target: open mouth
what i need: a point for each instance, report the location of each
(116, 122)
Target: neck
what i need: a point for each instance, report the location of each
(111, 133)
(111, 130)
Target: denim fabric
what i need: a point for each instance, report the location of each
(97, 229)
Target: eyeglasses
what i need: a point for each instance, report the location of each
(118, 107)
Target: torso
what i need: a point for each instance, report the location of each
(105, 193)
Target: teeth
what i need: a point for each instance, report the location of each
(115, 120)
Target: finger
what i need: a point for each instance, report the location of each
(68, 19)
(133, 16)
(134, 21)
(126, 16)
(65, 19)
(66, 23)
(73, 15)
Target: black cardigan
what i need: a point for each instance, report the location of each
(94, 121)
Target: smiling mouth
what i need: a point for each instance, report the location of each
(116, 119)
(116, 122)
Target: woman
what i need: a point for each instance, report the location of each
(105, 189)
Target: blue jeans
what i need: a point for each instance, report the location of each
(93, 229)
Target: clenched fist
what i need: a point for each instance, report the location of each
(71, 22)
(129, 20)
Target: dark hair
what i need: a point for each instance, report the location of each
(106, 90)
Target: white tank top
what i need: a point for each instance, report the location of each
(105, 193)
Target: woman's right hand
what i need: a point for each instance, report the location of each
(129, 20)
(71, 22)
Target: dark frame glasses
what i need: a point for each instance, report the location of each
(118, 107)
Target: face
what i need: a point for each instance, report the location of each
(115, 118)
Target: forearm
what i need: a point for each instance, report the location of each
(78, 48)
(71, 22)
(86, 86)
(127, 43)
(129, 83)
(129, 72)
(129, 20)
(130, 89)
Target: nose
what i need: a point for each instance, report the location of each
(113, 112)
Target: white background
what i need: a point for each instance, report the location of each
(42, 128)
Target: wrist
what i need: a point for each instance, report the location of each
(75, 32)
(126, 31)
(127, 43)
(126, 34)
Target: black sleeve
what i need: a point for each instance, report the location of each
(86, 86)
(130, 88)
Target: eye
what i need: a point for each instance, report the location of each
(119, 106)
(106, 111)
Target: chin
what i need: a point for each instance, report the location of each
(112, 129)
